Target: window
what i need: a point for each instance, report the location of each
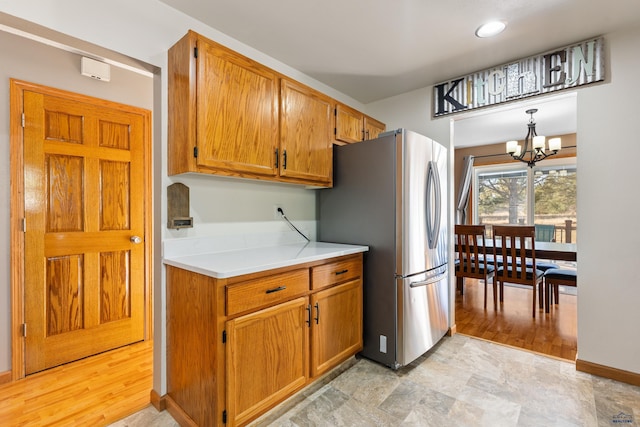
(544, 196)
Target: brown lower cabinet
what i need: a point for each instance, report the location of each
(236, 347)
(336, 325)
(260, 375)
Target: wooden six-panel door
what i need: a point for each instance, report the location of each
(84, 272)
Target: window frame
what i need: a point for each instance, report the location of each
(519, 167)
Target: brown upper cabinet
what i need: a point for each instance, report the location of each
(232, 116)
(305, 133)
(372, 128)
(223, 110)
(229, 115)
(354, 126)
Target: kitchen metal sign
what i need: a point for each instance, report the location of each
(562, 68)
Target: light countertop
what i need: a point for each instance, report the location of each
(224, 264)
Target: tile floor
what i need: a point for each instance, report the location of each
(461, 382)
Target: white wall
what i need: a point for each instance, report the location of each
(411, 110)
(608, 202)
(608, 207)
(229, 206)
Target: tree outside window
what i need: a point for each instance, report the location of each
(515, 194)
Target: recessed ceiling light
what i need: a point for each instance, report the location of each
(490, 29)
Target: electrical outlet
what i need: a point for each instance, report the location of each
(276, 214)
(383, 344)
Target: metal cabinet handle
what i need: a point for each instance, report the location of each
(135, 239)
(308, 321)
(317, 318)
(341, 272)
(284, 159)
(278, 289)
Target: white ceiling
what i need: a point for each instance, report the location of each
(555, 116)
(373, 49)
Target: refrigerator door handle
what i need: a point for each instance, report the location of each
(429, 281)
(433, 224)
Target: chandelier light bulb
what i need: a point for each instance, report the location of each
(511, 146)
(518, 151)
(555, 144)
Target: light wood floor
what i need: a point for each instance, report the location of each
(553, 334)
(95, 391)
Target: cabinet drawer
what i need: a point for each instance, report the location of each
(265, 291)
(335, 272)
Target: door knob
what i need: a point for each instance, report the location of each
(135, 239)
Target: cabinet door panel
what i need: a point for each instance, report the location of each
(372, 128)
(237, 111)
(336, 330)
(305, 133)
(349, 124)
(267, 358)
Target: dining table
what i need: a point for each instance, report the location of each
(544, 250)
(555, 251)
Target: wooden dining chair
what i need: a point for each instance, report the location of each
(553, 279)
(471, 260)
(510, 242)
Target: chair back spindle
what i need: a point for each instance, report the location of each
(472, 259)
(512, 242)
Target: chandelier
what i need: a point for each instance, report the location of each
(538, 150)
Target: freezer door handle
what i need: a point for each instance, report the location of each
(433, 185)
(429, 281)
(436, 275)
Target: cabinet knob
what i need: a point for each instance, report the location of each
(135, 239)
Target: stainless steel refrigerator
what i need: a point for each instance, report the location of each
(390, 194)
